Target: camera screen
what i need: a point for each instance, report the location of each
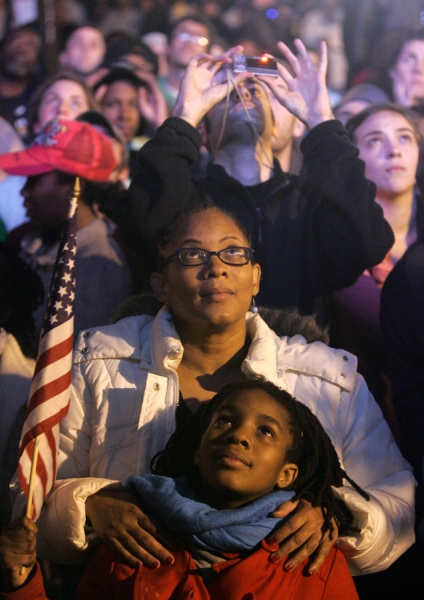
(258, 65)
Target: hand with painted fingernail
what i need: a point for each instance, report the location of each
(301, 536)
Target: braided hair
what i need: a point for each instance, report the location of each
(311, 450)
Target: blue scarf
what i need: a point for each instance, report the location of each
(229, 530)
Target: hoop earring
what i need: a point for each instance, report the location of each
(253, 308)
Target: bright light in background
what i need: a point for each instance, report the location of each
(272, 13)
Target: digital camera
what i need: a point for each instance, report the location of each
(257, 65)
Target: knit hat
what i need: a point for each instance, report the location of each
(116, 52)
(121, 73)
(365, 92)
(73, 147)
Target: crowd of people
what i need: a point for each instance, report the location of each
(246, 412)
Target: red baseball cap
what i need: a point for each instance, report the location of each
(73, 147)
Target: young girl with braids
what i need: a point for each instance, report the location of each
(215, 486)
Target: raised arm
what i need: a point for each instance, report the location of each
(347, 229)
(306, 95)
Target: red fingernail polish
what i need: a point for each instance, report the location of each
(272, 541)
(288, 567)
(155, 564)
(274, 558)
(169, 560)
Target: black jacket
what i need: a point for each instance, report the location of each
(312, 234)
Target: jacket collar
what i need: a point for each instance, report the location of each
(155, 343)
(269, 357)
(260, 361)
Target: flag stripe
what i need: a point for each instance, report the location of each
(43, 426)
(54, 354)
(47, 391)
(61, 333)
(52, 443)
(44, 377)
(45, 411)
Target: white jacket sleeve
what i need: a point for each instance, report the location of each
(63, 535)
(372, 459)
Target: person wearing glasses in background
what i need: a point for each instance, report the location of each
(188, 36)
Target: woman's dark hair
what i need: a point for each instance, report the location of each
(289, 322)
(164, 235)
(39, 94)
(124, 44)
(21, 292)
(122, 73)
(357, 120)
(311, 450)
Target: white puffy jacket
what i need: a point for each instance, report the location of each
(125, 390)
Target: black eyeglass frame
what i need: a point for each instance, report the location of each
(208, 254)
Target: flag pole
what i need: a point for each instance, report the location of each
(28, 512)
(32, 478)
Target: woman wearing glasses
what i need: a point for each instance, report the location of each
(136, 380)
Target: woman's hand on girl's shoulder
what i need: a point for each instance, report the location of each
(301, 536)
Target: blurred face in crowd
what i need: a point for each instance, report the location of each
(120, 105)
(262, 3)
(85, 50)
(248, 107)
(46, 200)
(349, 109)
(20, 54)
(188, 39)
(408, 74)
(387, 144)
(64, 99)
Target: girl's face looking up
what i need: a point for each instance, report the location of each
(387, 144)
(242, 454)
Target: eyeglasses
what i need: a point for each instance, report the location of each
(184, 36)
(236, 256)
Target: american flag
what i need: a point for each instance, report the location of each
(50, 388)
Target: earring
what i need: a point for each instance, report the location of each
(253, 307)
